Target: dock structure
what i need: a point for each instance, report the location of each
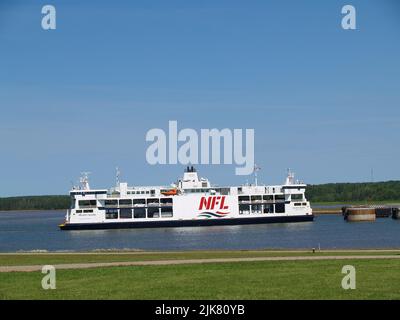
(370, 212)
(360, 214)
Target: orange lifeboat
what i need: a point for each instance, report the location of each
(170, 192)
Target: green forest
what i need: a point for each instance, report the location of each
(35, 203)
(330, 192)
(354, 192)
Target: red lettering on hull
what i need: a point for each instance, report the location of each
(212, 203)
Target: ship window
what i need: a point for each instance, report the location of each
(87, 203)
(166, 201)
(111, 203)
(139, 213)
(153, 201)
(268, 197)
(153, 213)
(304, 203)
(280, 208)
(225, 191)
(78, 211)
(280, 197)
(111, 213)
(125, 214)
(139, 201)
(166, 212)
(125, 202)
(269, 208)
(244, 209)
(297, 196)
(256, 208)
(256, 198)
(296, 204)
(88, 211)
(244, 198)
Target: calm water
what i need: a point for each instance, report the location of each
(38, 230)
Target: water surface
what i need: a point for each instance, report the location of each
(37, 230)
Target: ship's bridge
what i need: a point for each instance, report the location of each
(191, 180)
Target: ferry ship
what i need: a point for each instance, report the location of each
(191, 201)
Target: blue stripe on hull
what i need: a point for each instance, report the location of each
(184, 223)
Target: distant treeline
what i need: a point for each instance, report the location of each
(35, 203)
(348, 192)
(330, 192)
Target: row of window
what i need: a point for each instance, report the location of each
(84, 193)
(125, 202)
(87, 203)
(138, 213)
(268, 197)
(133, 202)
(197, 190)
(267, 190)
(142, 192)
(169, 201)
(259, 209)
(298, 204)
(297, 196)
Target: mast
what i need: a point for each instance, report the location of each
(290, 177)
(117, 176)
(84, 180)
(255, 170)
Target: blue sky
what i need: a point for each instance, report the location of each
(322, 100)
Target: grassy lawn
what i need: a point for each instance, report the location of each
(376, 279)
(59, 258)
